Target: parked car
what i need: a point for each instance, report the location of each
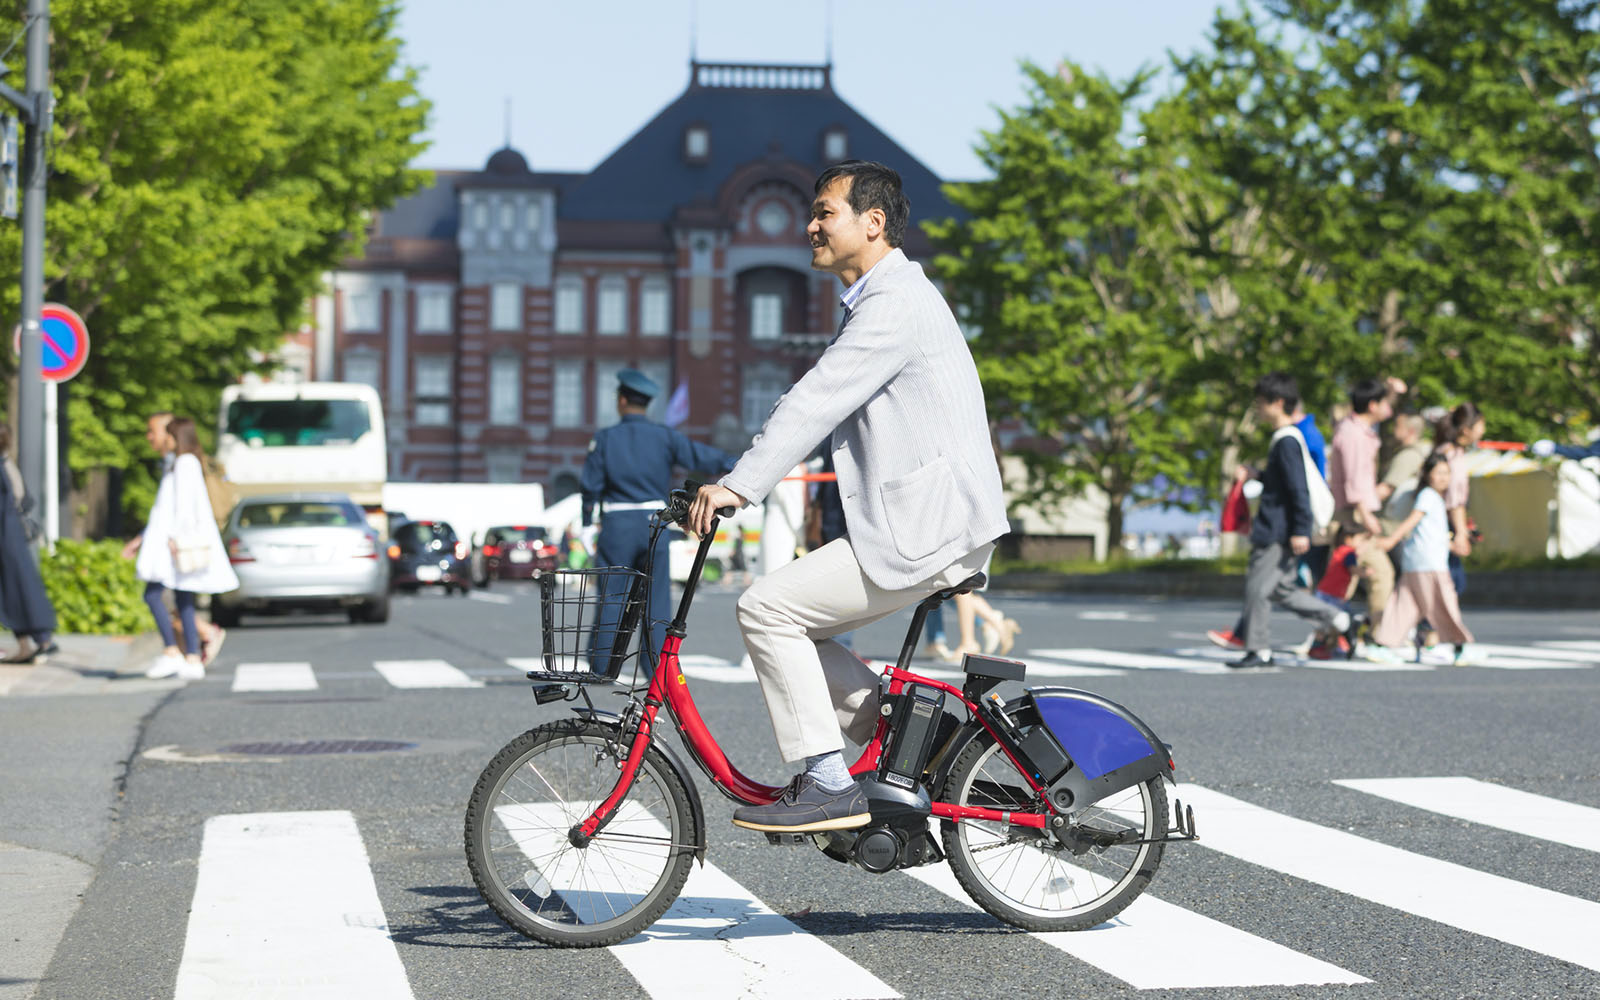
(428, 554)
(303, 550)
(513, 552)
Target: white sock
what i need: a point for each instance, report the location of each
(829, 771)
(1341, 621)
(1264, 655)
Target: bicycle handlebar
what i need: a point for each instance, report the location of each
(678, 502)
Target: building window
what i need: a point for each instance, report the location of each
(433, 389)
(535, 216)
(363, 367)
(503, 465)
(766, 316)
(569, 304)
(361, 309)
(835, 145)
(605, 391)
(505, 307)
(611, 313)
(480, 216)
(763, 384)
(505, 389)
(655, 307)
(433, 310)
(697, 144)
(567, 405)
(658, 371)
(508, 215)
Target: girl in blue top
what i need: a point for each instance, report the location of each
(1424, 591)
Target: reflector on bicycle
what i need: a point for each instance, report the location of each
(588, 619)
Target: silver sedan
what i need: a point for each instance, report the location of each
(307, 550)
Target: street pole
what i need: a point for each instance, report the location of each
(31, 425)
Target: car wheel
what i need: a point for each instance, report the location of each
(375, 611)
(224, 616)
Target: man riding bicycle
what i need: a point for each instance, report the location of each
(897, 396)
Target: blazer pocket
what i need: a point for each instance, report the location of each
(922, 509)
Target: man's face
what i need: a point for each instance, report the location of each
(839, 236)
(1269, 410)
(155, 432)
(1382, 409)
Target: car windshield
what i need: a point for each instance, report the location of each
(416, 535)
(272, 423)
(511, 536)
(301, 514)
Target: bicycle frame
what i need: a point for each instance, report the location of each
(670, 688)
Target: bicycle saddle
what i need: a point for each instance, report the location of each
(966, 586)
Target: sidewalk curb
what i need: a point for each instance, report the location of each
(87, 664)
(1537, 588)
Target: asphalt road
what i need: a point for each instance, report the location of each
(1299, 885)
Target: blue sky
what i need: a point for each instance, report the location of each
(582, 77)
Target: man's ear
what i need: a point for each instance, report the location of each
(876, 221)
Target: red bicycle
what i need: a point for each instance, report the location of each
(581, 832)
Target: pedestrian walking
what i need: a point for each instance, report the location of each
(627, 475)
(1353, 480)
(1459, 431)
(1425, 592)
(181, 551)
(25, 608)
(1282, 529)
(1401, 475)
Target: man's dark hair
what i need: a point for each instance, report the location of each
(633, 398)
(1366, 392)
(873, 185)
(1279, 385)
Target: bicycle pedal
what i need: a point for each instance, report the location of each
(787, 839)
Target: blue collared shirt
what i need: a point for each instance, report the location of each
(850, 295)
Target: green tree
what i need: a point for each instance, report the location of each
(1084, 299)
(210, 158)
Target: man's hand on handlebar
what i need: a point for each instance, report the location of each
(709, 504)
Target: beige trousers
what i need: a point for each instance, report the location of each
(813, 686)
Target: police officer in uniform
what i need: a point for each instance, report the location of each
(628, 474)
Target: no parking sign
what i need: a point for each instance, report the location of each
(63, 342)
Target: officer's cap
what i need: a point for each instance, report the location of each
(637, 381)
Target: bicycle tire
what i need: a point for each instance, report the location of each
(982, 853)
(526, 799)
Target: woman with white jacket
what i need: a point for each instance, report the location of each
(181, 550)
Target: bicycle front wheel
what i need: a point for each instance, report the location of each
(1033, 879)
(533, 793)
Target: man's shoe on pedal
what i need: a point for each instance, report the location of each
(807, 807)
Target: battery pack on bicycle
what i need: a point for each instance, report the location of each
(1050, 803)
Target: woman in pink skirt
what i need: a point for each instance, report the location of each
(1424, 591)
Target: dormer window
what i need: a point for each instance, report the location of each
(835, 145)
(480, 216)
(697, 143)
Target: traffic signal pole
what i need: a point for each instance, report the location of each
(34, 109)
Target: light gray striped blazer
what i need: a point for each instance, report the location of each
(899, 392)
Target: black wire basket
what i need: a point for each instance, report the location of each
(589, 620)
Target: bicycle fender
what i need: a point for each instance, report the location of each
(696, 807)
(1110, 748)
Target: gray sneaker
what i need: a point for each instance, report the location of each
(807, 807)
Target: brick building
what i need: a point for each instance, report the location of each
(493, 309)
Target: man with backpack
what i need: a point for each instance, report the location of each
(1295, 504)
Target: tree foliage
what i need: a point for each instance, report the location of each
(1410, 188)
(210, 158)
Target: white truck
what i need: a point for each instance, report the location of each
(277, 437)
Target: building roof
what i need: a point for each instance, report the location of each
(755, 114)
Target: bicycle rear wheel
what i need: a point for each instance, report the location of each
(1032, 879)
(527, 800)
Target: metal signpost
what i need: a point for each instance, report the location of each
(33, 107)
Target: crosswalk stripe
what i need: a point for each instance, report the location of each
(735, 944)
(285, 905)
(1041, 666)
(1527, 916)
(1531, 657)
(1196, 951)
(1133, 661)
(700, 667)
(423, 674)
(274, 677)
(1587, 646)
(1491, 805)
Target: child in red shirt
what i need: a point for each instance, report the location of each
(1337, 586)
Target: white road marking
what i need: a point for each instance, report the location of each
(1132, 661)
(285, 905)
(715, 940)
(274, 677)
(699, 667)
(1491, 805)
(1496, 656)
(488, 598)
(1586, 646)
(423, 674)
(1114, 616)
(1196, 952)
(1042, 667)
(1527, 916)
